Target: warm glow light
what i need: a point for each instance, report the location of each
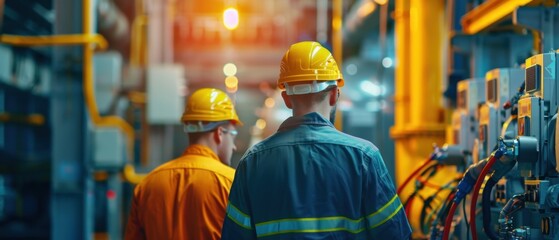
(230, 69)
(231, 82)
(233, 89)
(231, 18)
(367, 8)
(381, 2)
(269, 102)
(261, 123)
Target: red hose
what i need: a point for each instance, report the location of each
(428, 183)
(448, 221)
(408, 206)
(410, 177)
(475, 194)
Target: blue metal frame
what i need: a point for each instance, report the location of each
(72, 182)
(544, 19)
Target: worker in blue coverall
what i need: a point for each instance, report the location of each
(309, 180)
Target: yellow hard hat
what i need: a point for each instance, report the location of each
(308, 61)
(210, 105)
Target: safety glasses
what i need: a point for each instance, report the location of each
(233, 132)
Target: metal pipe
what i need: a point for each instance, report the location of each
(537, 41)
(88, 89)
(71, 39)
(2, 2)
(322, 21)
(489, 13)
(113, 24)
(419, 119)
(138, 41)
(402, 28)
(31, 119)
(130, 175)
(426, 57)
(137, 56)
(87, 38)
(337, 47)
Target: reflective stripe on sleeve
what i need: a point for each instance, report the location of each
(238, 217)
(385, 213)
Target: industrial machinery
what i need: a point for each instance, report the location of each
(471, 94)
(502, 85)
(534, 153)
(82, 84)
(535, 150)
(498, 117)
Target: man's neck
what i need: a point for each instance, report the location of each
(320, 109)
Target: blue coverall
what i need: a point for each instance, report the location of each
(311, 181)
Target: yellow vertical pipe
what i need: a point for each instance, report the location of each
(337, 47)
(88, 62)
(419, 119)
(402, 91)
(337, 9)
(426, 56)
(427, 114)
(402, 28)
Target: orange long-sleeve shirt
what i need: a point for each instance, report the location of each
(182, 199)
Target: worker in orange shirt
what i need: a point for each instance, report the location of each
(186, 198)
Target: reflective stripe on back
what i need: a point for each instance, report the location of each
(330, 224)
(310, 225)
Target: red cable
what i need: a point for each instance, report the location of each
(448, 221)
(408, 206)
(412, 175)
(428, 184)
(475, 194)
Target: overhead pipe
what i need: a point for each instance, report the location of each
(86, 39)
(88, 89)
(489, 13)
(69, 39)
(31, 119)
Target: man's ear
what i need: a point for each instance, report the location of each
(286, 100)
(333, 96)
(218, 135)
